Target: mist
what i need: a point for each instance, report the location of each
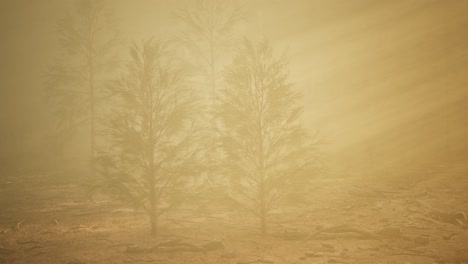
(233, 131)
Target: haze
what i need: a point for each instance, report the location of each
(384, 87)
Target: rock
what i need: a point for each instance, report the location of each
(422, 240)
(213, 245)
(135, 249)
(328, 245)
(312, 254)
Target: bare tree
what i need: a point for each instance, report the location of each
(152, 132)
(266, 148)
(207, 27)
(88, 41)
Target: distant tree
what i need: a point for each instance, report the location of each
(152, 132)
(207, 26)
(206, 33)
(266, 149)
(75, 80)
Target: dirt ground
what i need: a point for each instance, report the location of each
(421, 218)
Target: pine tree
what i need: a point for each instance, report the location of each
(76, 79)
(266, 148)
(153, 134)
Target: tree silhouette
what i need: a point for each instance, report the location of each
(266, 148)
(152, 132)
(205, 33)
(88, 42)
(207, 27)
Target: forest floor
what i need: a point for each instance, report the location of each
(351, 220)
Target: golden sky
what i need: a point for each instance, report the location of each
(385, 79)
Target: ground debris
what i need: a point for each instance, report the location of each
(259, 260)
(344, 231)
(359, 191)
(6, 251)
(176, 246)
(22, 242)
(75, 261)
(291, 235)
(457, 218)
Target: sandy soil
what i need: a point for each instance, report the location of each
(348, 220)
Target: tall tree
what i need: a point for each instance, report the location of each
(153, 134)
(206, 33)
(88, 42)
(207, 26)
(266, 148)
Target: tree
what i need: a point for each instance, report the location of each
(153, 134)
(207, 25)
(266, 149)
(206, 32)
(88, 41)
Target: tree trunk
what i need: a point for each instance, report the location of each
(92, 115)
(263, 203)
(154, 225)
(263, 222)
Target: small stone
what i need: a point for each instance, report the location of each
(328, 245)
(313, 254)
(135, 249)
(422, 241)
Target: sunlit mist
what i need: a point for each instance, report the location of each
(233, 131)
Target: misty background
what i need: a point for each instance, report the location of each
(385, 82)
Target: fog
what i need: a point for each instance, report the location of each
(381, 93)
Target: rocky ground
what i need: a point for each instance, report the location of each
(421, 218)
